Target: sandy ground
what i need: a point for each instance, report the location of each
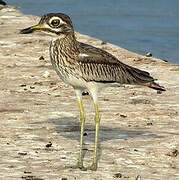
(139, 127)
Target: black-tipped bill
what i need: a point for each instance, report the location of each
(31, 29)
(26, 30)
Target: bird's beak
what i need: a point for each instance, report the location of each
(31, 29)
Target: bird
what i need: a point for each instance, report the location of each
(87, 69)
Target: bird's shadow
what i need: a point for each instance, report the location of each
(69, 127)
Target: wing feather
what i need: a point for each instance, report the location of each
(98, 65)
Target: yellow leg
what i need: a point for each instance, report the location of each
(82, 123)
(97, 124)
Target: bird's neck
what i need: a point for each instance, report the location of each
(68, 42)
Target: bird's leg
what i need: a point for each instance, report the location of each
(97, 125)
(82, 123)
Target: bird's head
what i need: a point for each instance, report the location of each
(57, 24)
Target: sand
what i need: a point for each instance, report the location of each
(39, 137)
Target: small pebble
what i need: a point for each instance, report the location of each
(106, 99)
(149, 123)
(148, 54)
(173, 153)
(22, 85)
(103, 42)
(123, 116)
(165, 60)
(63, 178)
(31, 178)
(27, 172)
(63, 157)
(117, 175)
(41, 58)
(11, 166)
(32, 87)
(22, 153)
(46, 74)
(27, 177)
(49, 145)
(53, 83)
(38, 83)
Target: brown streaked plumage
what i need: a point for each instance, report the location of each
(105, 68)
(85, 67)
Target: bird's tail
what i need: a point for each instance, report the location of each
(155, 86)
(144, 78)
(132, 75)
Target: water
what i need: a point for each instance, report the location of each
(138, 25)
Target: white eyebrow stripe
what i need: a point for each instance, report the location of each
(83, 55)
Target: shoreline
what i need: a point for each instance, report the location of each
(139, 132)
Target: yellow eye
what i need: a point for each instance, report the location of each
(55, 22)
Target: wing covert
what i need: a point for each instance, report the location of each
(98, 65)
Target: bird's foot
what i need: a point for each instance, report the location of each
(80, 166)
(77, 166)
(93, 167)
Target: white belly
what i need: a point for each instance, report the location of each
(70, 78)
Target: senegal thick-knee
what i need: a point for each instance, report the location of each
(86, 68)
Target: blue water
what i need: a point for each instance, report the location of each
(138, 25)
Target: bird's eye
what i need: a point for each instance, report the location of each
(55, 22)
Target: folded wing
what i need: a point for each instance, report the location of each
(100, 66)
